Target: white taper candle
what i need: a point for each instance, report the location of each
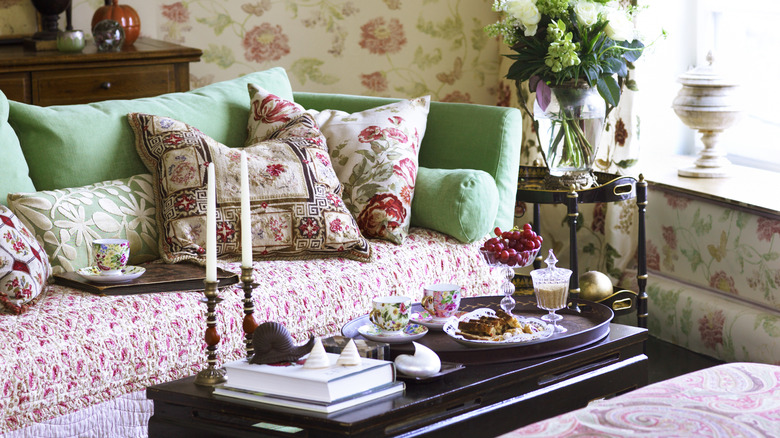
(246, 221)
(211, 225)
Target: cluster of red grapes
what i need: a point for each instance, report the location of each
(514, 247)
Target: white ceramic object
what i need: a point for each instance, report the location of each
(128, 273)
(427, 320)
(349, 355)
(425, 362)
(709, 103)
(411, 332)
(318, 358)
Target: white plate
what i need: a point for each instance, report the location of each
(451, 329)
(412, 332)
(427, 320)
(92, 273)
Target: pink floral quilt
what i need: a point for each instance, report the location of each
(73, 349)
(731, 400)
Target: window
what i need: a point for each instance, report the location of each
(744, 37)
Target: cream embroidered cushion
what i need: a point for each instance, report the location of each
(68, 220)
(374, 154)
(24, 265)
(296, 210)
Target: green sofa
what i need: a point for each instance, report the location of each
(72, 174)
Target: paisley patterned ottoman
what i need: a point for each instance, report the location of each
(729, 400)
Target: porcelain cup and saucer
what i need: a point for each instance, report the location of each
(390, 321)
(110, 262)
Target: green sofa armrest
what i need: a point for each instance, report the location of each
(458, 136)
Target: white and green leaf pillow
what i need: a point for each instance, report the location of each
(374, 154)
(66, 221)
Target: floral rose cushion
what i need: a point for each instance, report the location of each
(24, 265)
(296, 210)
(374, 154)
(68, 220)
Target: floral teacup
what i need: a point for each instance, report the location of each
(391, 313)
(441, 300)
(111, 255)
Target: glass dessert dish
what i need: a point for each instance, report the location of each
(523, 259)
(551, 287)
(516, 248)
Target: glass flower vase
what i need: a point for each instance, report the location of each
(570, 128)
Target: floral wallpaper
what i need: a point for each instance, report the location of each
(392, 48)
(714, 277)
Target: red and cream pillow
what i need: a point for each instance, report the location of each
(296, 210)
(374, 154)
(24, 265)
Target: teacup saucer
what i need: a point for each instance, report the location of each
(92, 273)
(412, 332)
(429, 321)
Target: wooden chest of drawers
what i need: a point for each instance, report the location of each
(147, 68)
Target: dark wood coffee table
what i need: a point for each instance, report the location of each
(479, 400)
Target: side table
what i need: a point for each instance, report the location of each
(147, 68)
(610, 188)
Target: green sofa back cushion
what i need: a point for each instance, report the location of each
(99, 142)
(14, 173)
(459, 202)
(458, 136)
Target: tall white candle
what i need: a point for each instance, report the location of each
(246, 221)
(211, 225)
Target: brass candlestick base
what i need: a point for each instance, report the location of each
(211, 375)
(249, 323)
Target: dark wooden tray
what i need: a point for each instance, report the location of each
(159, 277)
(586, 327)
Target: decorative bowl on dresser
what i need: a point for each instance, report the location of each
(147, 68)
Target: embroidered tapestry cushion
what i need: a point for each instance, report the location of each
(296, 210)
(68, 220)
(24, 265)
(374, 154)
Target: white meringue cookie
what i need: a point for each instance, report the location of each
(425, 362)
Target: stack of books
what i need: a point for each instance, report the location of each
(323, 390)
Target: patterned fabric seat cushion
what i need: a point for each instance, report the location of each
(74, 349)
(730, 400)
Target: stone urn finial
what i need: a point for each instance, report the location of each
(709, 103)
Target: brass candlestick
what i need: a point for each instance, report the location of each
(249, 323)
(211, 375)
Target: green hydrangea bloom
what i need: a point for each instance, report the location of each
(562, 52)
(553, 8)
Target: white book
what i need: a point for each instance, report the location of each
(318, 384)
(290, 402)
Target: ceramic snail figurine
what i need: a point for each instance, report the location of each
(273, 343)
